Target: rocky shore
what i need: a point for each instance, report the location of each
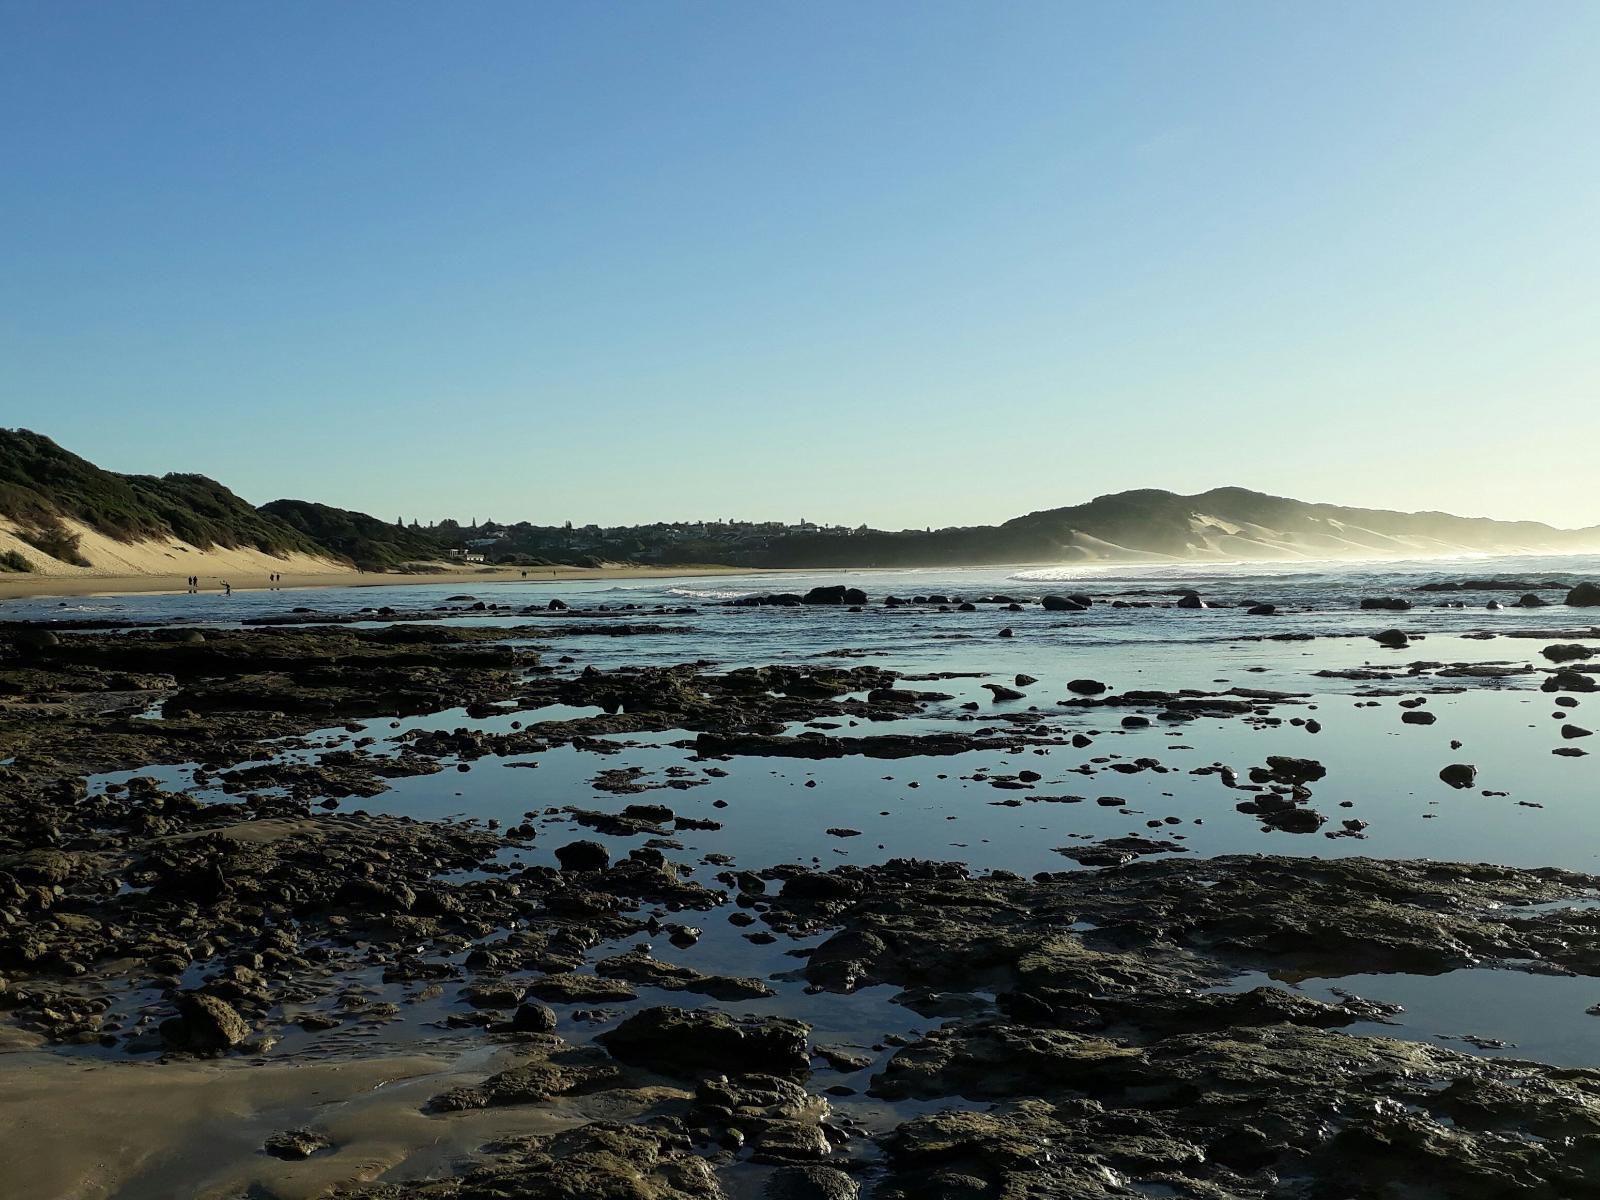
(1080, 1032)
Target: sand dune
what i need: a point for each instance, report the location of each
(1222, 540)
(163, 556)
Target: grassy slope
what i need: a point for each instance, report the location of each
(368, 542)
(41, 485)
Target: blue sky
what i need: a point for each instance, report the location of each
(909, 264)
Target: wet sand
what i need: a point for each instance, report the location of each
(95, 1129)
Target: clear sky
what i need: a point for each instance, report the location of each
(903, 263)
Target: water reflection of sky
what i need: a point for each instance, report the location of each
(772, 810)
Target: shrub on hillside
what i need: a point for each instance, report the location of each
(50, 535)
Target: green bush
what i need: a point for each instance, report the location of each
(372, 544)
(10, 560)
(50, 535)
(41, 484)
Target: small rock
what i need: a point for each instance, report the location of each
(296, 1144)
(583, 856)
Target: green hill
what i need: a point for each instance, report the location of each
(43, 485)
(371, 544)
(1224, 524)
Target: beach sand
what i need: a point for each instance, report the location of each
(94, 1130)
(124, 568)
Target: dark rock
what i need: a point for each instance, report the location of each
(691, 1044)
(204, 1024)
(1294, 820)
(641, 967)
(296, 1144)
(844, 1059)
(1282, 768)
(810, 1183)
(814, 885)
(494, 994)
(569, 987)
(1567, 652)
(583, 856)
(1570, 681)
(534, 1018)
(532, 1083)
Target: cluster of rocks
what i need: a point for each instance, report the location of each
(1084, 1037)
(834, 594)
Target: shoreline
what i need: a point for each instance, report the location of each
(35, 586)
(39, 587)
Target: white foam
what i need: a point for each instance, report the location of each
(710, 593)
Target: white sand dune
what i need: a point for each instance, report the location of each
(1222, 540)
(163, 556)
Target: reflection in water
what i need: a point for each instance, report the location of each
(1528, 808)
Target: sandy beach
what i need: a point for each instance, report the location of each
(18, 587)
(164, 566)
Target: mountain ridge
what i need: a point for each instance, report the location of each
(52, 500)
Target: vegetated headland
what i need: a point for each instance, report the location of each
(64, 519)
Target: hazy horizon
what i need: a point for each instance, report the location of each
(903, 264)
